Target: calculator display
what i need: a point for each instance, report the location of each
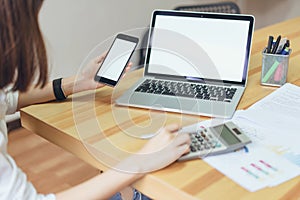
(227, 135)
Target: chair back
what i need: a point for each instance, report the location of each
(222, 7)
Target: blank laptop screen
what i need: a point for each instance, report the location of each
(200, 46)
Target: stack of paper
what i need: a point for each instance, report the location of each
(274, 154)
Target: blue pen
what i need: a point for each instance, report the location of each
(285, 48)
(286, 44)
(285, 51)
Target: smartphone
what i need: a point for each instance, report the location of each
(116, 60)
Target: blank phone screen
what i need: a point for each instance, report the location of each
(116, 59)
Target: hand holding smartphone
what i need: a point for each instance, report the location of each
(116, 60)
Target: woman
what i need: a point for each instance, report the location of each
(22, 59)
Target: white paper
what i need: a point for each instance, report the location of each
(255, 169)
(279, 110)
(273, 126)
(276, 118)
(234, 165)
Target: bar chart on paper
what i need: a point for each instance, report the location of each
(282, 144)
(293, 157)
(260, 169)
(289, 154)
(256, 169)
(279, 134)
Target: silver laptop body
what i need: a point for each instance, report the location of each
(196, 63)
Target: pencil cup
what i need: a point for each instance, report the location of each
(274, 68)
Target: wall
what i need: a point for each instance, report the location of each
(268, 12)
(72, 28)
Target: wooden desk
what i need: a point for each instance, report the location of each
(89, 114)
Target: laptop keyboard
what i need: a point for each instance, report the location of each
(191, 90)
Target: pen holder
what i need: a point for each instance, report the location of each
(274, 68)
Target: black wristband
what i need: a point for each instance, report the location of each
(57, 90)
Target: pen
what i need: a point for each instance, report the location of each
(285, 48)
(270, 41)
(148, 136)
(288, 43)
(274, 49)
(246, 149)
(281, 45)
(285, 51)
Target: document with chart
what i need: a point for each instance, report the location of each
(273, 157)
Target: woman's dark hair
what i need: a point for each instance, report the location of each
(22, 50)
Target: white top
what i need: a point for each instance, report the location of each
(13, 182)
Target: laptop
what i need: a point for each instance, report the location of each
(196, 63)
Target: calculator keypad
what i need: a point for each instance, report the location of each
(202, 140)
(203, 143)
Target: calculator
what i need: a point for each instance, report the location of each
(215, 140)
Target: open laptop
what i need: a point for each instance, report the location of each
(196, 63)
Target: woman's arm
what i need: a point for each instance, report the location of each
(163, 149)
(39, 95)
(84, 81)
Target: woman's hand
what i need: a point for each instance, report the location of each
(164, 148)
(85, 80)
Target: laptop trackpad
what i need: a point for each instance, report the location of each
(155, 101)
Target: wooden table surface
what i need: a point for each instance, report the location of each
(90, 126)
